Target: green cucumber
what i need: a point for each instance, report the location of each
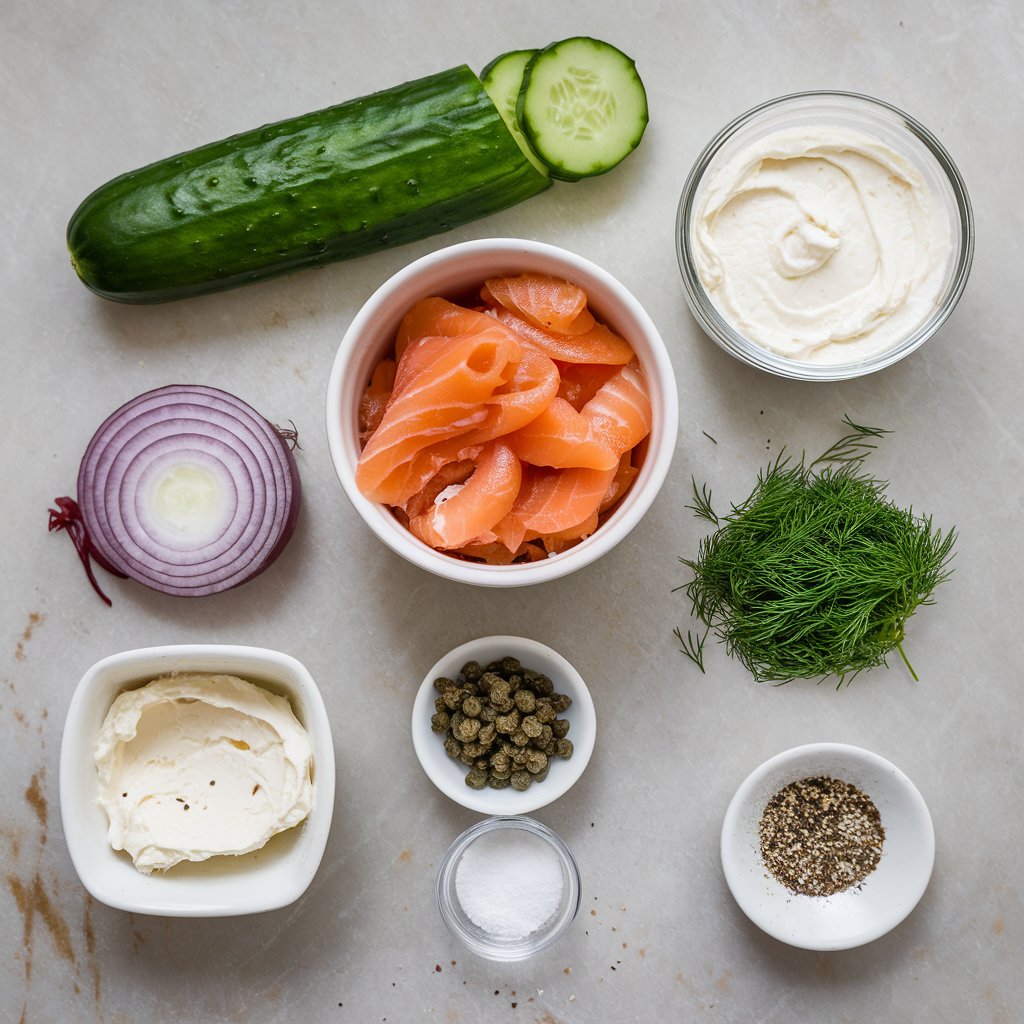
(503, 80)
(582, 107)
(375, 172)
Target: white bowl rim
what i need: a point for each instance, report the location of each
(756, 911)
(497, 802)
(316, 827)
(635, 505)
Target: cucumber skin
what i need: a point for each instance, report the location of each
(487, 70)
(346, 181)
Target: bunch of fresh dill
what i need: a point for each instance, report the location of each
(817, 572)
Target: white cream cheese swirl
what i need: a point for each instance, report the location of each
(197, 766)
(821, 244)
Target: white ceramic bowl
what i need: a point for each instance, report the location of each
(858, 915)
(477, 939)
(869, 116)
(450, 776)
(452, 272)
(222, 886)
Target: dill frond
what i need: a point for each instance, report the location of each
(702, 503)
(816, 573)
(692, 647)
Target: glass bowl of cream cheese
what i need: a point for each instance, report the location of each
(197, 780)
(823, 236)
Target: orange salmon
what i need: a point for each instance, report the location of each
(547, 302)
(474, 507)
(440, 396)
(598, 345)
(562, 437)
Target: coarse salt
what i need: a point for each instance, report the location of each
(509, 883)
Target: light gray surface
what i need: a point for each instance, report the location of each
(94, 89)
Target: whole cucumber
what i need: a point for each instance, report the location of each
(382, 170)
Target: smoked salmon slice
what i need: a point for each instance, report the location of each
(623, 480)
(547, 302)
(375, 399)
(461, 512)
(556, 543)
(562, 437)
(435, 317)
(552, 500)
(598, 345)
(457, 472)
(579, 382)
(620, 412)
(613, 421)
(440, 396)
(495, 553)
(528, 391)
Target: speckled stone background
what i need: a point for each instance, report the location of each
(91, 89)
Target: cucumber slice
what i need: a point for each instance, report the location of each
(582, 107)
(503, 78)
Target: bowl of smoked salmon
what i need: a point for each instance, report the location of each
(502, 412)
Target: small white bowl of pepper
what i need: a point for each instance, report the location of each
(827, 846)
(503, 725)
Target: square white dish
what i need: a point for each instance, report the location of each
(266, 879)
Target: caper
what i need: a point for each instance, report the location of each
(472, 670)
(502, 723)
(531, 726)
(525, 701)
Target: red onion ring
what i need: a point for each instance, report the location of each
(186, 489)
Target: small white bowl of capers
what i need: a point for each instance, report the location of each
(503, 725)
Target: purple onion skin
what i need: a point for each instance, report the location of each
(106, 528)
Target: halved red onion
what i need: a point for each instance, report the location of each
(185, 489)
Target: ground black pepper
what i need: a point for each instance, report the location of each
(820, 836)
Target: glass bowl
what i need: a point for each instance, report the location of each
(868, 116)
(475, 938)
(861, 913)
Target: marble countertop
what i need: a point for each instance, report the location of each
(94, 89)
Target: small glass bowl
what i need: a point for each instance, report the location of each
(474, 938)
(871, 117)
